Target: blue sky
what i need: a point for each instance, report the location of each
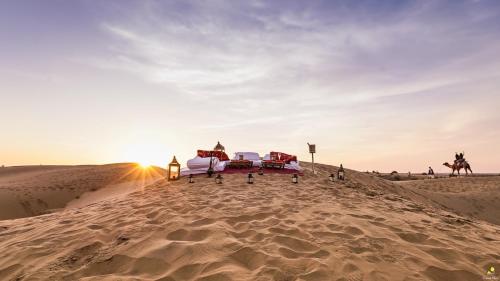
(377, 85)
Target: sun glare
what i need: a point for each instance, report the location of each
(146, 154)
(144, 165)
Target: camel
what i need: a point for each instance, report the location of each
(458, 166)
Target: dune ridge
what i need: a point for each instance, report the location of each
(34, 190)
(365, 228)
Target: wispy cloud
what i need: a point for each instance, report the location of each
(380, 76)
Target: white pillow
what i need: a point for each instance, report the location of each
(252, 156)
(199, 163)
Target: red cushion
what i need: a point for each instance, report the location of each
(219, 154)
(273, 161)
(287, 158)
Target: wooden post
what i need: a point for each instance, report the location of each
(312, 156)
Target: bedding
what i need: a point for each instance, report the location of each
(199, 165)
(202, 163)
(252, 156)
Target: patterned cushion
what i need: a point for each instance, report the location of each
(219, 154)
(287, 158)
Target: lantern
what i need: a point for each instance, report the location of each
(261, 171)
(219, 147)
(340, 173)
(174, 170)
(210, 170)
(191, 179)
(295, 178)
(331, 177)
(250, 178)
(218, 179)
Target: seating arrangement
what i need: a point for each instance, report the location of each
(241, 160)
(244, 160)
(278, 160)
(240, 164)
(274, 164)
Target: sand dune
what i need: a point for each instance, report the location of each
(365, 228)
(33, 190)
(475, 197)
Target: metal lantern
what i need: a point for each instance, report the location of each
(295, 178)
(210, 170)
(332, 177)
(191, 179)
(341, 173)
(250, 178)
(261, 171)
(218, 179)
(219, 147)
(174, 170)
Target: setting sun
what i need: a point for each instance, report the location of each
(146, 154)
(144, 165)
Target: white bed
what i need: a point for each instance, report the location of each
(252, 156)
(199, 165)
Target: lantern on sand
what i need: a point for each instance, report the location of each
(331, 177)
(295, 178)
(174, 170)
(250, 178)
(261, 171)
(218, 179)
(341, 173)
(191, 179)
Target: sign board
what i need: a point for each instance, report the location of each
(312, 148)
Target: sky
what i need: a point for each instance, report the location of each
(376, 85)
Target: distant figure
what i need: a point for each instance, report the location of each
(430, 174)
(459, 158)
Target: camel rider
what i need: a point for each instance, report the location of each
(461, 158)
(431, 171)
(457, 157)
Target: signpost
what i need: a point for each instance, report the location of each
(312, 150)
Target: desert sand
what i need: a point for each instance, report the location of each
(365, 228)
(475, 197)
(34, 190)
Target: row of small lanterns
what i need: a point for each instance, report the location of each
(295, 177)
(250, 178)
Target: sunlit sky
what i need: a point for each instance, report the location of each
(376, 85)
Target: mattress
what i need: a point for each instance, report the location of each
(202, 163)
(252, 156)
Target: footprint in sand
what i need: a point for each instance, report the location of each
(353, 230)
(249, 258)
(202, 222)
(413, 237)
(188, 235)
(94, 226)
(295, 244)
(436, 273)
